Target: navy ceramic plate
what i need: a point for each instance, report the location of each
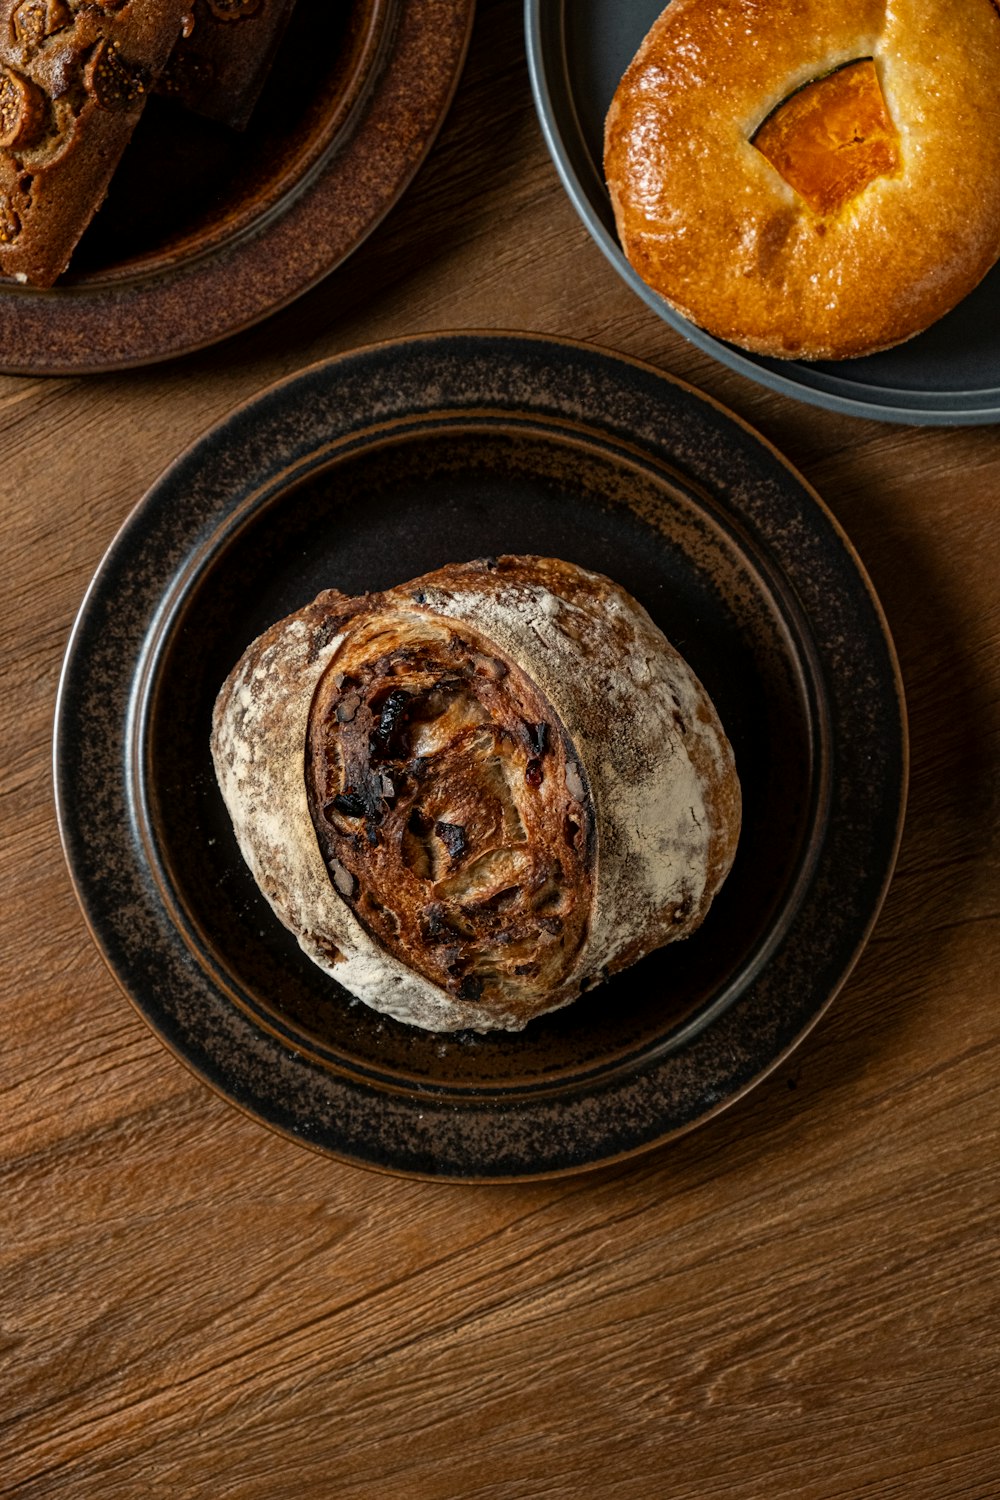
(577, 52)
(367, 471)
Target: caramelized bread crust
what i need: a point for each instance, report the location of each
(474, 795)
(449, 807)
(713, 226)
(74, 78)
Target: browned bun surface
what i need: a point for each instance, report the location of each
(74, 79)
(725, 152)
(474, 795)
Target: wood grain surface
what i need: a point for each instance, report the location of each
(798, 1299)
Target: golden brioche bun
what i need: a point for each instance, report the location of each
(709, 221)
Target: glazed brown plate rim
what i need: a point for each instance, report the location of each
(162, 307)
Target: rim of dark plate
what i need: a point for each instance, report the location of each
(417, 1161)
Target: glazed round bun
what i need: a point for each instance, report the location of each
(477, 794)
(843, 262)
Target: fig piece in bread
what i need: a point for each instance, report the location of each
(477, 794)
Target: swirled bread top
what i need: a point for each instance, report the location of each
(505, 753)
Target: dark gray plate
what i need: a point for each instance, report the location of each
(577, 52)
(368, 471)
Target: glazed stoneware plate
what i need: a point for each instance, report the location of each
(207, 230)
(368, 471)
(577, 53)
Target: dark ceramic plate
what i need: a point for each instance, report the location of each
(577, 52)
(207, 230)
(365, 472)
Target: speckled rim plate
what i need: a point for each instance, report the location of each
(949, 375)
(372, 112)
(371, 469)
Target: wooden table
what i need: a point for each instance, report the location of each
(798, 1299)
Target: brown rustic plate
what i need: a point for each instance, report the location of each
(369, 470)
(207, 230)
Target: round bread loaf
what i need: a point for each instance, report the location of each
(810, 180)
(472, 796)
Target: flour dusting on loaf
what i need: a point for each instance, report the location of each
(475, 795)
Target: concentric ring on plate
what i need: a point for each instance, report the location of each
(381, 465)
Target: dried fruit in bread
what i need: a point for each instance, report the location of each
(477, 794)
(74, 78)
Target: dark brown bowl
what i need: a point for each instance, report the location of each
(206, 230)
(370, 470)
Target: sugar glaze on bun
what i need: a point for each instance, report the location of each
(723, 235)
(472, 796)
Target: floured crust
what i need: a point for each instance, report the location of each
(625, 807)
(712, 226)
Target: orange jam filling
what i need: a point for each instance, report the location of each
(833, 137)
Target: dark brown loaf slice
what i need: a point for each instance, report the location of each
(74, 78)
(219, 66)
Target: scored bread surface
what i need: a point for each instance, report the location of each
(633, 756)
